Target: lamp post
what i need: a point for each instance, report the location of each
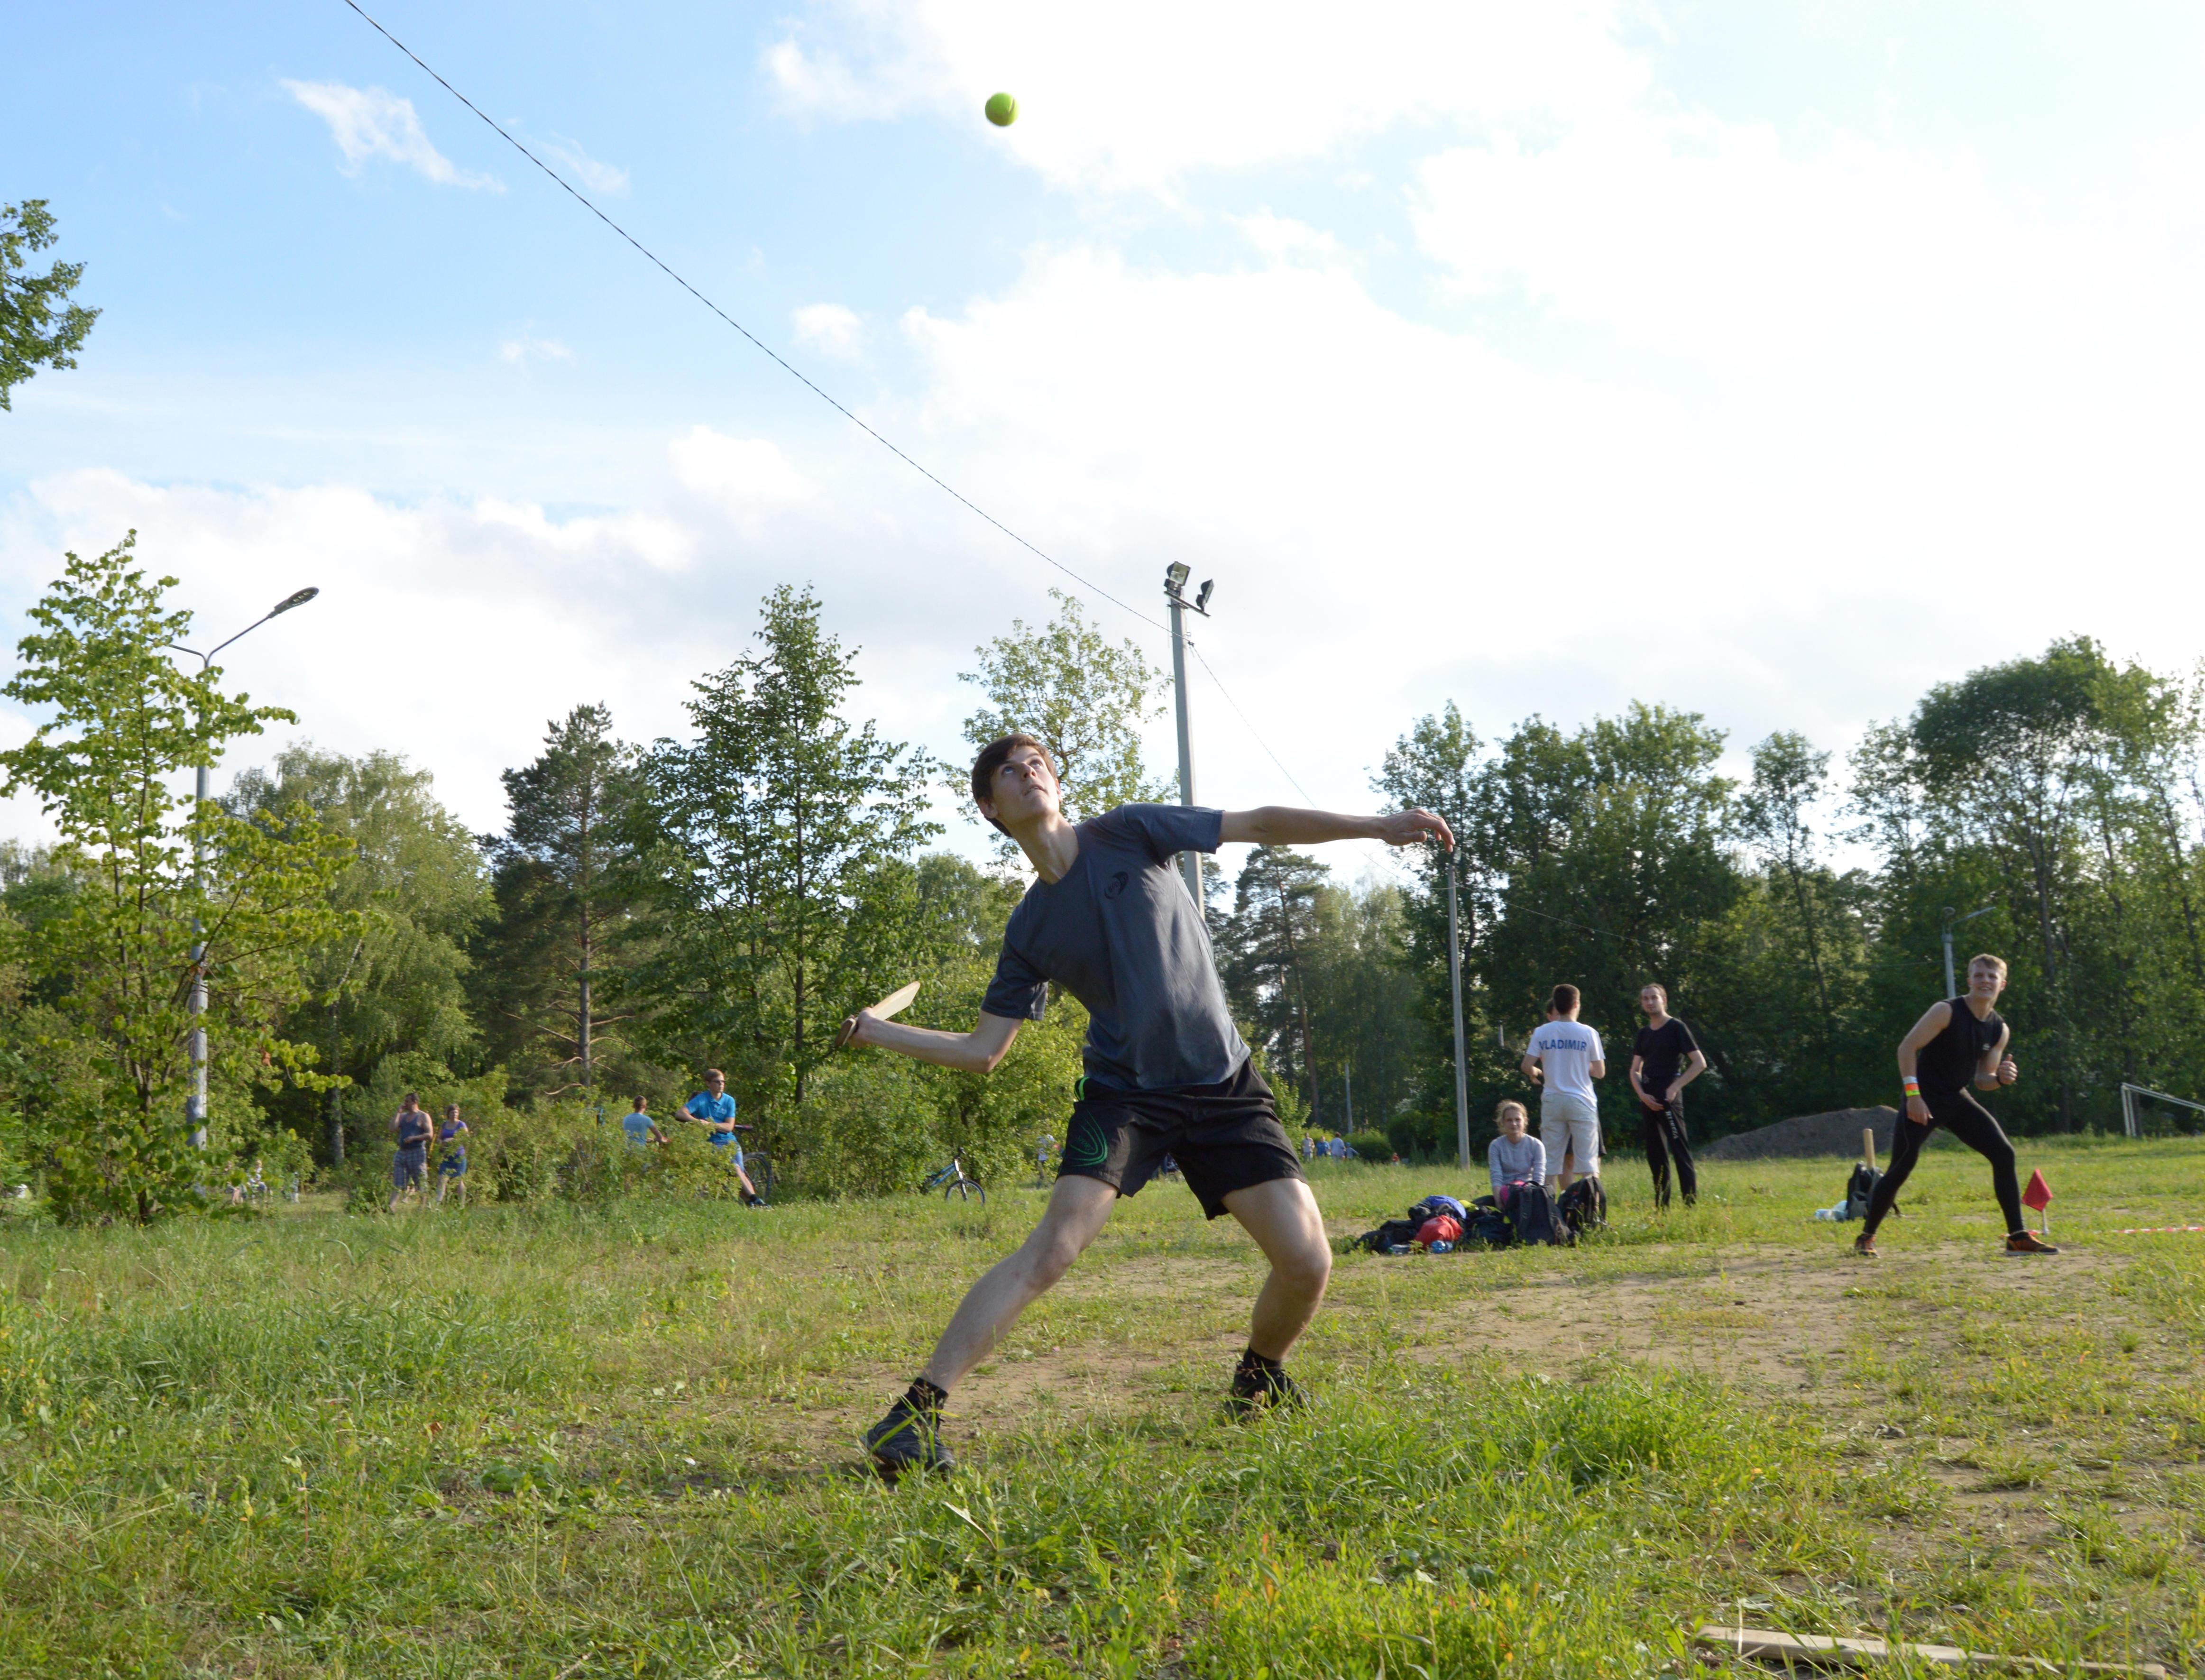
(195, 1105)
(1461, 1061)
(1175, 577)
(1951, 990)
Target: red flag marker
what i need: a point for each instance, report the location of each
(2038, 1195)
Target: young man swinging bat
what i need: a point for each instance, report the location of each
(1110, 922)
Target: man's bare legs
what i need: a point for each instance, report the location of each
(1078, 1210)
(1282, 1216)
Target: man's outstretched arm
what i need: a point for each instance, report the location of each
(1284, 825)
(974, 1052)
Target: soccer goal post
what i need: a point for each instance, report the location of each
(2132, 1118)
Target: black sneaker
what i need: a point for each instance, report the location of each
(1259, 1391)
(908, 1439)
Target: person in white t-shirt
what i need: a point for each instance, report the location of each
(1563, 1058)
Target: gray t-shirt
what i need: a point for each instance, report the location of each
(1121, 933)
(1516, 1163)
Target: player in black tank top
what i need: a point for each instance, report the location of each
(1950, 1049)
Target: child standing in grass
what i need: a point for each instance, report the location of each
(1515, 1158)
(452, 1166)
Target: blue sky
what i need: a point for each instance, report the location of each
(1773, 361)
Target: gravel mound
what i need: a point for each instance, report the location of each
(1836, 1133)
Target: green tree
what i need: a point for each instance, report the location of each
(1269, 941)
(783, 839)
(411, 892)
(39, 324)
(122, 721)
(567, 890)
(1083, 697)
(2055, 790)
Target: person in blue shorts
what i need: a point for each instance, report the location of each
(452, 1161)
(409, 1167)
(715, 1110)
(1110, 920)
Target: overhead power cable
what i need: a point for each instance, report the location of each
(787, 367)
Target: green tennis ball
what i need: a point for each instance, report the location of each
(1002, 110)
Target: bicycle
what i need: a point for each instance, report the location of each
(951, 1181)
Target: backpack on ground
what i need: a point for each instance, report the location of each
(1487, 1225)
(1860, 1190)
(1394, 1233)
(1532, 1214)
(1584, 1207)
(1439, 1228)
(1435, 1207)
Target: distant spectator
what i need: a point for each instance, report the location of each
(642, 1131)
(1563, 1058)
(452, 1154)
(1309, 1147)
(1663, 1061)
(409, 1167)
(1515, 1158)
(715, 1110)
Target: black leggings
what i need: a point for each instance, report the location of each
(1967, 1119)
(1663, 1130)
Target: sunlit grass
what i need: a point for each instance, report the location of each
(557, 1444)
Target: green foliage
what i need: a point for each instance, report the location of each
(782, 845)
(393, 979)
(122, 952)
(39, 324)
(566, 929)
(1082, 696)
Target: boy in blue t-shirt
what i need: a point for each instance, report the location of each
(714, 1109)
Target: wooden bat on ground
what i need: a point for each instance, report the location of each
(893, 1004)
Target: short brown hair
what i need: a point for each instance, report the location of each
(714, 1073)
(1564, 1000)
(1998, 963)
(994, 755)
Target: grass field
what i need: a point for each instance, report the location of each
(557, 1445)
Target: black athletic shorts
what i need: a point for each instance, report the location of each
(1225, 1137)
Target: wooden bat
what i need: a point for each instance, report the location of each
(893, 1004)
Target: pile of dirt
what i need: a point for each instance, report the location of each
(1836, 1133)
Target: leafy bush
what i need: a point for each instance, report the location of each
(1371, 1145)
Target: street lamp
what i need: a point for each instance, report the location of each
(1175, 577)
(195, 1105)
(1951, 922)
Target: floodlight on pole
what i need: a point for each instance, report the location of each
(195, 1102)
(1176, 579)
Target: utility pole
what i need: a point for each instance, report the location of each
(195, 1104)
(1175, 577)
(1951, 990)
(1461, 1061)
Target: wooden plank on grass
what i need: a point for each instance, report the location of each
(1816, 1650)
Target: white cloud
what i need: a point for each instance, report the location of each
(831, 329)
(1155, 90)
(374, 122)
(606, 179)
(1726, 240)
(527, 348)
(740, 474)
